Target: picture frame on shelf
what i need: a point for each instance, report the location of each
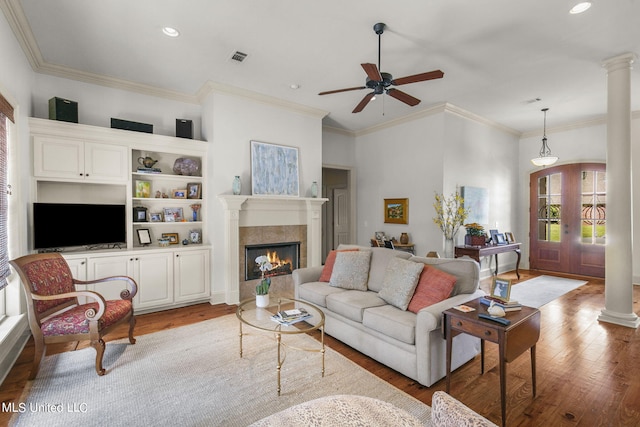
(156, 217)
(508, 236)
(194, 190)
(179, 193)
(143, 189)
(274, 170)
(195, 236)
(396, 211)
(500, 289)
(144, 236)
(172, 214)
(140, 214)
(174, 239)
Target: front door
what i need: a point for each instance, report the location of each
(568, 219)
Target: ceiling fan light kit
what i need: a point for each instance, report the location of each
(380, 83)
(545, 158)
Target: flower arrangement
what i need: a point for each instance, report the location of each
(450, 213)
(474, 229)
(263, 287)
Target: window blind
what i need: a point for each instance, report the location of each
(6, 113)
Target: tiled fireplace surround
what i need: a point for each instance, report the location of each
(262, 219)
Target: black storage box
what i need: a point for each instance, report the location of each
(184, 128)
(63, 110)
(127, 125)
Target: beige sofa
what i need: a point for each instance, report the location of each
(410, 343)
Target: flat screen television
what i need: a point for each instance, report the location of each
(63, 225)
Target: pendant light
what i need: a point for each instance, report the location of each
(544, 158)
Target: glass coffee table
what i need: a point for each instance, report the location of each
(261, 319)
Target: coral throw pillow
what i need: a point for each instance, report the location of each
(434, 285)
(325, 276)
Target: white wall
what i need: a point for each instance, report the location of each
(231, 122)
(337, 149)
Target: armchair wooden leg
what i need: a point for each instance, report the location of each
(99, 346)
(132, 324)
(37, 358)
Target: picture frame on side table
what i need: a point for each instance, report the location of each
(396, 211)
(492, 235)
(144, 236)
(194, 190)
(500, 289)
(274, 170)
(500, 239)
(508, 236)
(174, 239)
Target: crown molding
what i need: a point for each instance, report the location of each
(19, 24)
(338, 131)
(214, 87)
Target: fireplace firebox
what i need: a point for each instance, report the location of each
(284, 257)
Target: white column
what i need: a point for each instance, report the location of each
(232, 207)
(618, 252)
(314, 232)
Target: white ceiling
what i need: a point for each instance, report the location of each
(497, 55)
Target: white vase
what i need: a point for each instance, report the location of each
(448, 248)
(262, 301)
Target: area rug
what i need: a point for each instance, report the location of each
(194, 376)
(541, 290)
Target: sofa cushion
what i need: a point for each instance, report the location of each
(434, 285)
(380, 258)
(399, 282)
(351, 270)
(351, 304)
(392, 322)
(465, 269)
(316, 292)
(325, 276)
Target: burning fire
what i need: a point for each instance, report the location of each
(278, 263)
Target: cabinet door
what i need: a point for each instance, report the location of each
(100, 267)
(78, 267)
(58, 158)
(192, 275)
(154, 273)
(105, 162)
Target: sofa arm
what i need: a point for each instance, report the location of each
(307, 274)
(447, 411)
(437, 309)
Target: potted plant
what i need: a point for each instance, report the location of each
(475, 235)
(262, 289)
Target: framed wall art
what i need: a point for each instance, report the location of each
(274, 170)
(476, 199)
(396, 211)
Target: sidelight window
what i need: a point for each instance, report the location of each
(594, 208)
(550, 207)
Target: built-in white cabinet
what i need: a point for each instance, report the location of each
(75, 163)
(65, 158)
(165, 278)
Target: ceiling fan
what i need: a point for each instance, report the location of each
(380, 82)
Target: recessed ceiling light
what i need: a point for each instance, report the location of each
(294, 86)
(171, 32)
(580, 7)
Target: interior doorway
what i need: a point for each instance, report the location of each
(338, 211)
(568, 219)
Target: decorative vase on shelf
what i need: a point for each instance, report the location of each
(404, 238)
(448, 248)
(237, 185)
(314, 189)
(262, 301)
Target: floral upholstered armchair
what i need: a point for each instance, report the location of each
(55, 314)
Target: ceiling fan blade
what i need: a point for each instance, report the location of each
(372, 72)
(364, 102)
(436, 74)
(404, 97)
(342, 90)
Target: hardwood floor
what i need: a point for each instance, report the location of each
(587, 371)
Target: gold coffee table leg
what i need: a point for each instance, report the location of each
(278, 340)
(322, 351)
(240, 336)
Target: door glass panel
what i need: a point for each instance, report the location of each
(550, 207)
(593, 208)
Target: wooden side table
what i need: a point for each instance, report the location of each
(406, 247)
(514, 339)
(477, 252)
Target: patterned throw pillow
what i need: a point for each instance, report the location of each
(325, 276)
(434, 285)
(399, 283)
(351, 270)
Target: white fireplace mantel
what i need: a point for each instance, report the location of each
(249, 211)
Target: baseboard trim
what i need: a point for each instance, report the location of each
(13, 337)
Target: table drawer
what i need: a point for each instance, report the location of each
(485, 332)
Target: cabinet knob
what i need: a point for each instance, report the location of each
(459, 323)
(130, 259)
(487, 333)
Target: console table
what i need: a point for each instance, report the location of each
(514, 339)
(476, 252)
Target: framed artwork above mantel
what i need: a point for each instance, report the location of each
(274, 170)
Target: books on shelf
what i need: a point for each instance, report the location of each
(511, 305)
(289, 317)
(148, 170)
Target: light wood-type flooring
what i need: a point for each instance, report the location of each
(588, 371)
